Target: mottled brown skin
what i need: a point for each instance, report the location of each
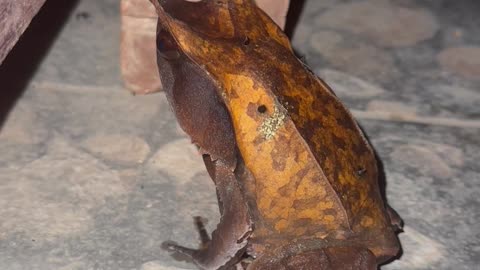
(296, 180)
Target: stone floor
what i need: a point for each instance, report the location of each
(94, 178)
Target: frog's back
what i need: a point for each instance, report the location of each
(313, 174)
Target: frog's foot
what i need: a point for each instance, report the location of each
(229, 240)
(189, 252)
(173, 247)
(222, 250)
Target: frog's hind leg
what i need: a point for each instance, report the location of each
(230, 238)
(328, 258)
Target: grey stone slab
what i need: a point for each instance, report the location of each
(433, 181)
(70, 202)
(425, 54)
(86, 52)
(84, 113)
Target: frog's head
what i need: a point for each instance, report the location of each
(217, 35)
(234, 44)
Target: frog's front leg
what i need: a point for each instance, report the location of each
(230, 238)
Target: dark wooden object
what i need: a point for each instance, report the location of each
(15, 16)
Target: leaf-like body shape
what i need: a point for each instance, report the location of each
(307, 172)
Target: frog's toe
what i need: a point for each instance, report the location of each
(200, 225)
(174, 247)
(205, 239)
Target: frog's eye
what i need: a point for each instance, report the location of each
(166, 46)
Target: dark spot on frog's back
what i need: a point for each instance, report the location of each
(354, 195)
(258, 140)
(310, 130)
(360, 148)
(285, 190)
(319, 105)
(336, 172)
(279, 159)
(343, 118)
(303, 222)
(303, 172)
(234, 94)
(262, 109)
(252, 110)
(338, 142)
(331, 212)
(306, 203)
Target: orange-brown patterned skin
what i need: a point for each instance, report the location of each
(307, 172)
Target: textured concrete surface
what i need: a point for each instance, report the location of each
(94, 178)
